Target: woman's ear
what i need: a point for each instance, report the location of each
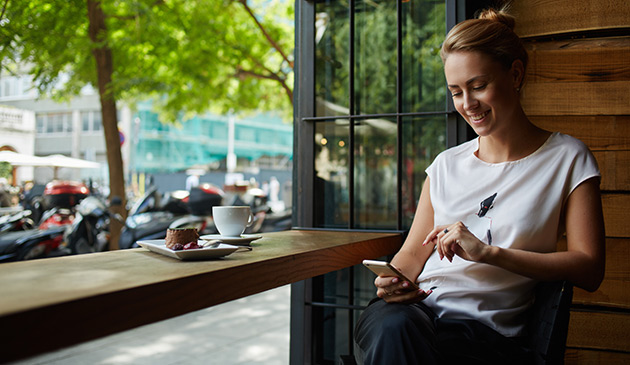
(518, 73)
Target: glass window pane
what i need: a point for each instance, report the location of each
(50, 124)
(40, 123)
(57, 122)
(85, 121)
(97, 121)
(331, 174)
(335, 339)
(422, 139)
(375, 57)
(67, 119)
(245, 134)
(423, 31)
(375, 174)
(332, 95)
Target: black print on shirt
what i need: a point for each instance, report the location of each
(485, 206)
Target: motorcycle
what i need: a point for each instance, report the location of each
(18, 221)
(266, 219)
(89, 231)
(152, 215)
(46, 239)
(175, 210)
(32, 244)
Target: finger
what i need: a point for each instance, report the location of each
(433, 235)
(442, 245)
(440, 251)
(384, 281)
(430, 238)
(451, 250)
(413, 296)
(459, 251)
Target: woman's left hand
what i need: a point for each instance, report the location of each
(456, 239)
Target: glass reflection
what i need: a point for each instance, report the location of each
(375, 174)
(423, 31)
(331, 174)
(332, 96)
(376, 51)
(423, 138)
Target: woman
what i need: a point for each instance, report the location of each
(488, 220)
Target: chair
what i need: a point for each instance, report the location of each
(547, 323)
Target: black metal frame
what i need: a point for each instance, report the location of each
(304, 295)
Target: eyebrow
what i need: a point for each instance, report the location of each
(469, 81)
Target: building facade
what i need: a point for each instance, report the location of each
(74, 128)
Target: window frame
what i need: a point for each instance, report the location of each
(304, 306)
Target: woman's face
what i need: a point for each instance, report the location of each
(483, 91)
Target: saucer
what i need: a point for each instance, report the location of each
(244, 239)
(158, 246)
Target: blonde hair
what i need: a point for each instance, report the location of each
(491, 33)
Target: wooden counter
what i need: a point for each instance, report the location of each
(53, 303)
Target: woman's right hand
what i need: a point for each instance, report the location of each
(394, 290)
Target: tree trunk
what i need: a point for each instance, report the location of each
(105, 68)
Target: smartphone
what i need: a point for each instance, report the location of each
(382, 268)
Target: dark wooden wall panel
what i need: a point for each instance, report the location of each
(545, 17)
(599, 330)
(578, 83)
(569, 98)
(600, 133)
(601, 59)
(575, 356)
(616, 215)
(615, 290)
(614, 177)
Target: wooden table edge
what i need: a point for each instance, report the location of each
(39, 330)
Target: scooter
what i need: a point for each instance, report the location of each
(152, 215)
(265, 218)
(89, 231)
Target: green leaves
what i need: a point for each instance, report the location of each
(188, 56)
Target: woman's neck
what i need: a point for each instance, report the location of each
(518, 141)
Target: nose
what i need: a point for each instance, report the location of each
(470, 102)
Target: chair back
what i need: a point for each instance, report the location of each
(548, 321)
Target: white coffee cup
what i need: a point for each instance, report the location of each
(231, 221)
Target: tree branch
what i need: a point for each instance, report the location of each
(240, 72)
(262, 29)
(4, 9)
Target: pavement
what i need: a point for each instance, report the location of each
(251, 330)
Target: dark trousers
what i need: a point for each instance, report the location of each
(401, 334)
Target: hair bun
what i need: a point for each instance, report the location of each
(501, 16)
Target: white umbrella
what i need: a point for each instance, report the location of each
(20, 159)
(54, 161)
(57, 161)
(64, 161)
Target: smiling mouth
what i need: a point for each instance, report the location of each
(478, 117)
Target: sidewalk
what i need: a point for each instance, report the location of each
(252, 330)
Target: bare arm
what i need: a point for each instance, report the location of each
(412, 256)
(582, 264)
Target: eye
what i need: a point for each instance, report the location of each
(480, 87)
(455, 93)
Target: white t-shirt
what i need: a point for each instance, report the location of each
(515, 204)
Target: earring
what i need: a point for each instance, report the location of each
(518, 89)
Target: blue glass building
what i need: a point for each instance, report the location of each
(261, 140)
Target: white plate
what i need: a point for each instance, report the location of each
(158, 246)
(242, 240)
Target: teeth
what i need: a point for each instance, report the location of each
(479, 116)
